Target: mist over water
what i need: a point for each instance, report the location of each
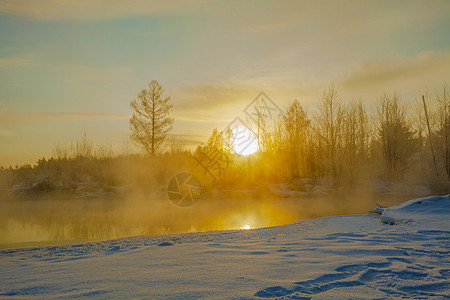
(337, 160)
(46, 221)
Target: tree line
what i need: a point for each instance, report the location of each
(340, 141)
(343, 142)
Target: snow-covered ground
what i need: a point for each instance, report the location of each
(342, 257)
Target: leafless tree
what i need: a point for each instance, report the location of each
(259, 122)
(328, 128)
(271, 140)
(394, 135)
(419, 127)
(295, 123)
(151, 121)
(355, 135)
(444, 127)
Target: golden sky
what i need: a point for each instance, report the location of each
(69, 67)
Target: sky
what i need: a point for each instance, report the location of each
(72, 67)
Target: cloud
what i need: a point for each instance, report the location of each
(220, 102)
(27, 118)
(19, 61)
(52, 10)
(199, 108)
(5, 132)
(205, 97)
(406, 75)
(116, 76)
(379, 73)
(227, 99)
(2, 108)
(190, 140)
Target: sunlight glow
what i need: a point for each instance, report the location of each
(246, 227)
(245, 141)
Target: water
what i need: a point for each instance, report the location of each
(37, 222)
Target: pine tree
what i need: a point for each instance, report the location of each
(151, 121)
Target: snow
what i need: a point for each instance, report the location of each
(340, 257)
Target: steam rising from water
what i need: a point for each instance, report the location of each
(73, 220)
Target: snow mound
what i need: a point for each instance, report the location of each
(429, 205)
(341, 257)
(410, 210)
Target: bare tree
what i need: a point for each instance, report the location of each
(151, 121)
(229, 143)
(259, 122)
(419, 127)
(84, 147)
(394, 135)
(295, 124)
(444, 127)
(355, 135)
(176, 144)
(328, 128)
(271, 140)
(430, 139)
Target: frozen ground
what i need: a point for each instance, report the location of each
(342, 257)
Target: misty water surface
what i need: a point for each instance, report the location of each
(26, 222)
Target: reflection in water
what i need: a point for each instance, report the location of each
(39, 220)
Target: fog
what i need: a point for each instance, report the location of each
(338, 160)
(47, 221)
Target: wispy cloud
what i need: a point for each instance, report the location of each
(90, 10)
(425, 70)
(7, 133)
(26, 118)
(20, 60)
(120, 75)
(190, 140)
(229, 98)
(201, 97)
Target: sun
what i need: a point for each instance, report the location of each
(245, 141)
(246, 227)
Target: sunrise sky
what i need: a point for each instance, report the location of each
(69, 67)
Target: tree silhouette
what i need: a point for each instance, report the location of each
(444, 126)
(151, 121)
(329, 126)
(394, 135)
(295, 123)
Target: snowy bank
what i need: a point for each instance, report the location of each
(339, 257)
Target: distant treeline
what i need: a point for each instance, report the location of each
(344, 144)
(95, 167)
(340, 143)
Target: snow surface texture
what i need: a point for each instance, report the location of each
(342, 257)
